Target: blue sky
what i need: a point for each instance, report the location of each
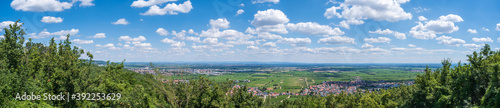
(312, 31)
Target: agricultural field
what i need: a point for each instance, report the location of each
(294, 81)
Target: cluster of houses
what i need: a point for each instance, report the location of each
(257, 92)
(334, 87)
(353, 86)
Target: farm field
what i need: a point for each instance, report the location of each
(294, 81)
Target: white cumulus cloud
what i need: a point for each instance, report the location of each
(142, 3)
(472, 31)
(239, 12)
(78, 41)
(445, 24)
(99, 35)
(472, 46)
(269, 44)
(221, 23)
(336, 40)
(171, 9)
(46, 5)
(5, 24)
(269, 17)
(486, 39)
(45, 33)
(447, 40)
(387, 31)
(378, 10)
(295, 41)
(498, 27)
(162, 31)
(313, 28)
(264, 1)
(377, 40)
(51, 19)
(121, 21)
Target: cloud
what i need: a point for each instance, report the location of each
(451, 18)
(211, 41)
(269, 44)
(472, 46)
(194, 39)
(50, 19)
(420, 9)
(487, 39)
(167, 40)
(447, 40)
(171, 9)
(162, 31)
(128, 39)
(338, 50)
(99, 35)
(239, 12)
(173, 43)
(411, 45)
(85, 3)
(269, 17)
(178, 44)
(60, 38)
(358, 10)
(228, 34)
(267, 35)
(264, 1)
(366, 45)
(313, 28)
(5, 24)
(422, 18)
(121, 21)
(137, 42)
(279, 28)
(78, 41)
(387, 31)
(252, 47)
(336, 40)
(109, 46)
(47, 5)
(445, 24)
(142, 3)
(377, 40)
(472, 31)
(346, 23)
(418, 50)
(40, 5)
(45, 33)
(295, 41)
(270, 20)
(241, 42)
(485, 29)
(221, 23)
(498, 27)
(179, 35)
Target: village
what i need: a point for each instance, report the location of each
(333, 87)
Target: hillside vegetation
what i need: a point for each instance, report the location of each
(55, 68)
